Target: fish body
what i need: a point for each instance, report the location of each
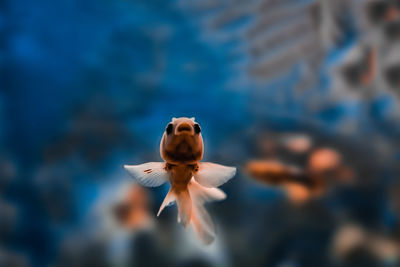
(193, 183)
(132, 212)
(299, 184)
(324, 168)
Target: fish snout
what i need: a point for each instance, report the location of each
(184, 127)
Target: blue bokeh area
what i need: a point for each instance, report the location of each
(124, 52)
(88, 86)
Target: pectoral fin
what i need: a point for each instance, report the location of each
(151, 174)
(213, 175)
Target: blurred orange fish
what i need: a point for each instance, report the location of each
(299, 185)
(324, 165)
(192, 182)
(133, 211)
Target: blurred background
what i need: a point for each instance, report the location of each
(302, 96)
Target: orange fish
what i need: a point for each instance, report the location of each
(299, 185)
(192, 182)
(324, 164)
(133, 211)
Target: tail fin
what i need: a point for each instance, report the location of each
(184, 203)
(169, 198)
(200, 218)
(191, 208)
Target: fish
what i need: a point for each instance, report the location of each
(298, 183)
(325, 168)
(132, 212)
(192, 183)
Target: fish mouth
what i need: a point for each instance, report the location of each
(184, 127)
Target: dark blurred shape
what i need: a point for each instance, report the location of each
(363, 71)
(199, 262)
(146, 251)
(83, 251)
(12, 259)
(9, 216)
(355, 246)
(377, 10)
(392, 30)
(393, 75)
(8, 171)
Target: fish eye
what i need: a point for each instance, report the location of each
(197, 128)
(168, 129)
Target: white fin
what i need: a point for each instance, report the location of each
(184, 202)
(203, 224)
(213, 175)
(151, 174)
(205, 194)
(169, 198)
(201, 220)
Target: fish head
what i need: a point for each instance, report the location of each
(182, 142)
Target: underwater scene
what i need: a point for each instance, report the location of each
(199, 133)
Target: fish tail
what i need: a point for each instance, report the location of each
(184, 202)
(200, 218)
(169, 198)
(191, 208)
